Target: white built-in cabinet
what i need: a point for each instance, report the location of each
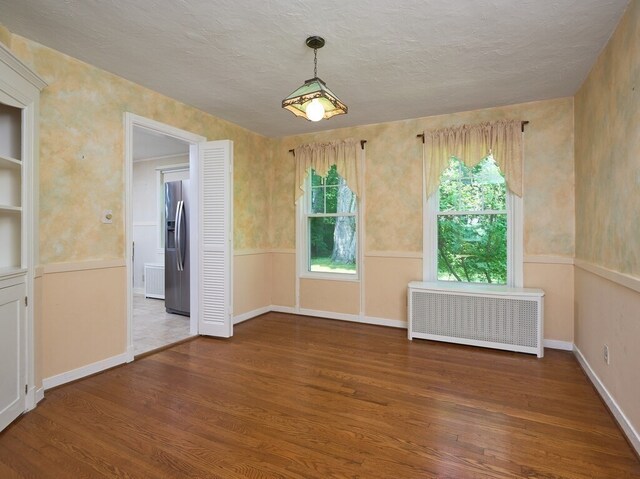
(19, 95)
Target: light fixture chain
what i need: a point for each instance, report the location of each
(315, 63)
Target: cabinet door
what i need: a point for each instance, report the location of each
(12, 353)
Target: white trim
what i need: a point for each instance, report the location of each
(354, 318)
(163, 157)
(623, 421)
(548, 259)
(250, 252)
(39, 394)
(282, 251)
(515, 241)
(322, 276)
(172, 168)
(251, 314)
(275, 308)
(130, 121)
(145, 223)
(394, 254)
(85, 265)
(7, 57)
(557, 344)
(131, 353)
(30, 399)
(84, 371)
(622, 279)
(360, 230)
(391, 323)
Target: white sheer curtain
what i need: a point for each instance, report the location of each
(471, 144)
(321, 156)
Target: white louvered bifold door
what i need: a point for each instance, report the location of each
(215, 167)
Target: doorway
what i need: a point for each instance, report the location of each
(158, 159)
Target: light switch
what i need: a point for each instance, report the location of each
(107, 216)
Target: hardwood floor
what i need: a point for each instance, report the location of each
(297, 397)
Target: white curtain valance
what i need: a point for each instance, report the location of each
(471, 144)
(321, 156)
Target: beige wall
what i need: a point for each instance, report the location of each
(83, 315)
(556, 279)
(386, 279)
(82, 173)
(608, 313)
(393, 216)
(252, 279)
(283, 287)
(607, 113)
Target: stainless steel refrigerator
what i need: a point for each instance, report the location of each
(176, 247)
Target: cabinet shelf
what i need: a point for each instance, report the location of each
(8, 162)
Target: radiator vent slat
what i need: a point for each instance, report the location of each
(154, 280)
(503, 318)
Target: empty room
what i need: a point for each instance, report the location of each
(294, 239)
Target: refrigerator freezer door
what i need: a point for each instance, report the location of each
(176, 254)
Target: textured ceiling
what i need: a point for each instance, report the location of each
(386, 60)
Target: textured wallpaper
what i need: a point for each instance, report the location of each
(82, 157)
(393, 181)
(82, 167)
(607, 115)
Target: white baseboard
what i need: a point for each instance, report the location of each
(138, 291)
(557, 344)
(625, 424)
(39, 394)
(131, 353)
(392, 323)
(283, 309)
(30, 400)
(354, 318)
(84, 371)
(250, 314)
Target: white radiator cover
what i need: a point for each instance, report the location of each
(154, 280)
(480, 315)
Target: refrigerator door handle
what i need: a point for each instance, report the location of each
(178, 236)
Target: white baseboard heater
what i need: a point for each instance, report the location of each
(479, 315)
(154, 280)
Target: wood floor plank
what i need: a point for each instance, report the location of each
(298, 397)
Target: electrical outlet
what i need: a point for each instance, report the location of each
(606, 354)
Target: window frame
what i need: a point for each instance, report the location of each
(303, 253)
(515, 258)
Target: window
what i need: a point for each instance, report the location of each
(473, 234)
(329, 226)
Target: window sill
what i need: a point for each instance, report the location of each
(331, 277)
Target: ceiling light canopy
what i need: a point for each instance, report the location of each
(313, 100)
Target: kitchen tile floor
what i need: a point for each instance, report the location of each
(153, 327)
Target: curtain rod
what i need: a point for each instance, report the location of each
(362, 142)
(522, 124)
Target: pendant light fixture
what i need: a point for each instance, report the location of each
(313, 100)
